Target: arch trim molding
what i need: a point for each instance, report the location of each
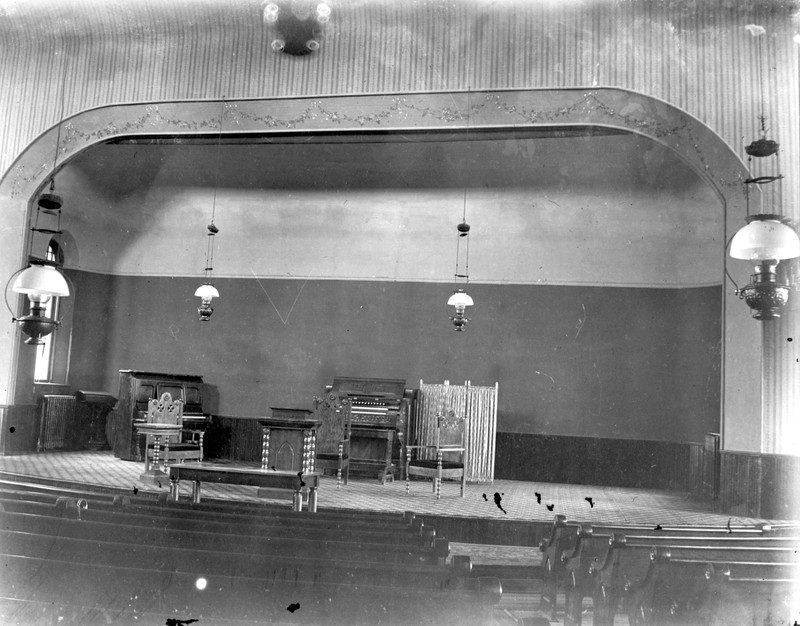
(627, 111)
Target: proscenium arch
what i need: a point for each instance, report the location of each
(516, 110)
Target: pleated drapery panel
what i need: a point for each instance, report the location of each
(479, 404)
(482, 428)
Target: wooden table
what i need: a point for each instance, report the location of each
(249, 476)
(156, 431)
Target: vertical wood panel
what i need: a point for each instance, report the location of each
(706, 64)
(740, 480)
(593, 461)
(759, 485)
(695, 483)
(20, 428)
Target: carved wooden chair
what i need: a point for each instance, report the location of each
(448, 451)
(186, 446)
(333, 435)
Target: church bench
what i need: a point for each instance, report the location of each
(349, 547)
(583, 548)
(563, 530)
(565, 536)
(517, 579)
(769, 551)
(14, 488)
(166, 509)
(124, 592)
(271, 508)
(353, 519)
(564, 533)
(224, 560)
(254, 513)
(78, 611)
(626, 561)
(147, 513)
(307, 527)
(685, 592)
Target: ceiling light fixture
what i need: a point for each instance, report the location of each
(767, 239)
(207, 291)
(298, 25)
(460, 299)
(41, 280)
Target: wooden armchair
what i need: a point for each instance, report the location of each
(333, 435)
(188, 445)
(448, 450)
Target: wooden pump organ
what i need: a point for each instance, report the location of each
(381, 410)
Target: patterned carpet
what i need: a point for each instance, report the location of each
(502, 499)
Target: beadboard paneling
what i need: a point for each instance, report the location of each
(759, 485)
(697, 56)
(593, 461)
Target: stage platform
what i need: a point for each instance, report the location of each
(499, 501)
(495, 523)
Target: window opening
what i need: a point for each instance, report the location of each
(43, 369)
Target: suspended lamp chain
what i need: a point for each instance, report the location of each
(212, 228)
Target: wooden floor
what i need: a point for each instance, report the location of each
(499, 508)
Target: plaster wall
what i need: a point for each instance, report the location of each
(696, 56)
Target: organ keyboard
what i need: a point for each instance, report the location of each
(380, 414)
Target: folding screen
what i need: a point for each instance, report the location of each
(479, 404)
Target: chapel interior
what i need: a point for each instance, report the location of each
(268, 217)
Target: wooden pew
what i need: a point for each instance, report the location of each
(224, 558)
(153, 514)
(347, 546)
(126, 592)
(310, 574)
(626, 564)
(575, 573)
(688, 592)
(418, 596)
(157, 505)
(565, 536)
(96, 492)
(338, 528)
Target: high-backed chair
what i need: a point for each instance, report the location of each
(333, 435)
(448, 452)
(187, 446)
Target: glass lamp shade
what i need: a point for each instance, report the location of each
(206, 292)
(764, 239)
(460, 300)
(41, 280)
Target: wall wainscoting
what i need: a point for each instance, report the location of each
(592, 461)
(759, 485)
(19, 429)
